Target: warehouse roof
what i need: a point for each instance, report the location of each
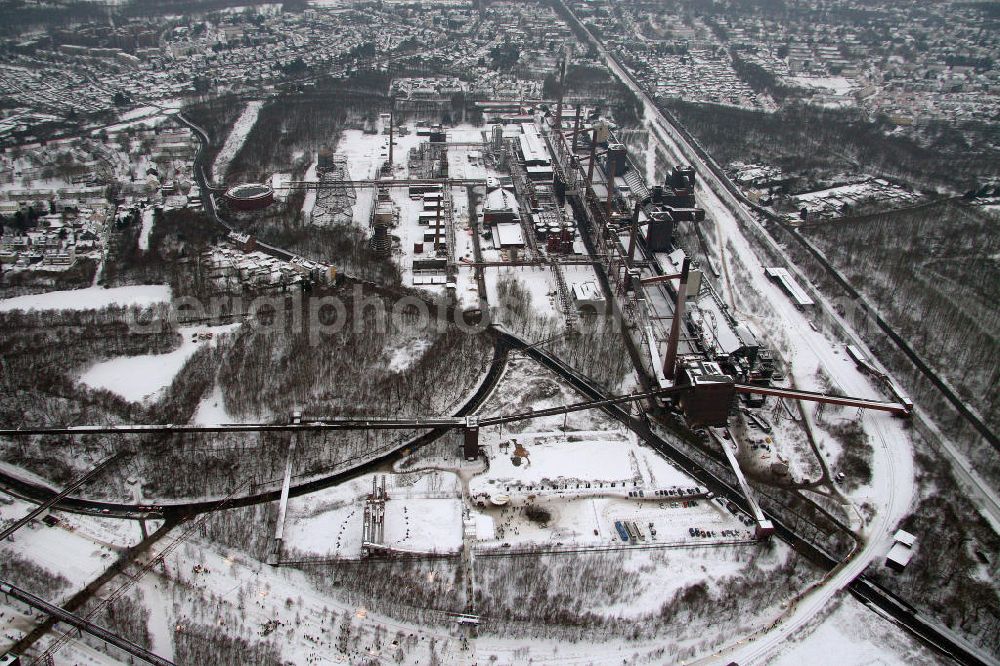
(797, 293)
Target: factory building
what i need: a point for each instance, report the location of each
(588, 298)
(249, 197)
(711, 395)
(534, 152)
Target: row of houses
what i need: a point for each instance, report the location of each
(238, 266)
(56, 238)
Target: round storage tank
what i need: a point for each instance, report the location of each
(249, 196)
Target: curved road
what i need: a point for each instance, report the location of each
(892, 489)
(894, 463)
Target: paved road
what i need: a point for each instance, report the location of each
(893, 484)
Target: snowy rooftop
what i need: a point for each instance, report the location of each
(899, 554)
(508, 234)
(533, 146)
(587, 291)
(501, 199)
(797, 293)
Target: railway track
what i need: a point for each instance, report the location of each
(866, 590)
(926, 630)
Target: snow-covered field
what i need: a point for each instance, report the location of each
(91, 298)
(142, 378)
(537, 281)
(552, 459)
(403, 357)
(147, 228)
(581, 520)
(365, 153)
(212, 409)
(587, 485)
(234, 141)
(839, 85)
(309, 202)
(324, 530)
(552, 464)
(142, 122)
(852, 635)
(424, 524)
(139, 112)
(233, 596)
(423, 513)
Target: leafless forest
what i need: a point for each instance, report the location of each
(579, 596)
(814, 144)
(575, 347)
(215, 116)
(933, 273)
(263, 373)
(19, 283)
(953, 572)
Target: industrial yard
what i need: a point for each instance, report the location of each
(404, 353)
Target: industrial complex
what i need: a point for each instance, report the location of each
(458, 373)
(549, 194)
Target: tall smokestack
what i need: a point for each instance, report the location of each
(593, 159)
(576, 126)
(633, 232)
(562, 83)
(670, 361)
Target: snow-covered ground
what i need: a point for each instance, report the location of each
(424, 524)
(147, 228)
(211, 586)
(365, 154)
(78, 548)
(587, 481)
(91, 298)
(143, 378)
(139, 112)
(143, 122)
(839, 85)
(279, 183)
(891, 491)
(234, 141)
(309, 202)
(423, 513)
(853, 635)
(403, 357)
(212, 409)
(538, 281)
(586, 470)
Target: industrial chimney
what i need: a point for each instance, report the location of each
(670, 360)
